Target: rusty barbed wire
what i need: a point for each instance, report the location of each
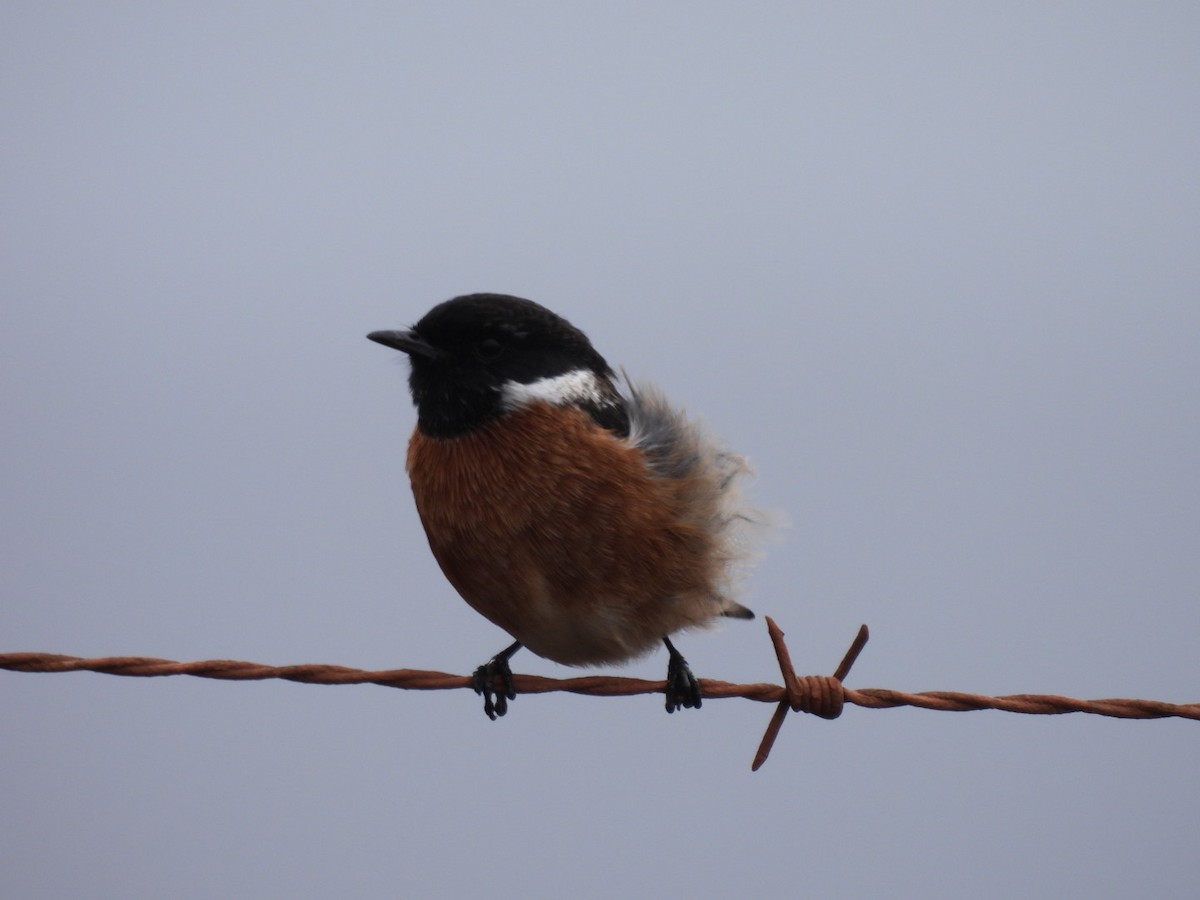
(820, 695)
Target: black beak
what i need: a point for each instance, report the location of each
(406, 341)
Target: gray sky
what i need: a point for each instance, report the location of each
(933, 267)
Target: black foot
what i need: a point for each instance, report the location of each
(682, 687)
(495, 703)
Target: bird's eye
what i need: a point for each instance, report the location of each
(488, 349)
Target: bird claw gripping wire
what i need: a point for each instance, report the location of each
(484, 682)
(682, 688)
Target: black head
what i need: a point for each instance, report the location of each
(470, 355)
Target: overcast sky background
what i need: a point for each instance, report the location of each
(934, 267)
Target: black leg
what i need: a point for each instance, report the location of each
(484, 682)
(682, 687)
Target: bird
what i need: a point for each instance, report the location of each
(577, 510)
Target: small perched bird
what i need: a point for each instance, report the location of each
(585, 516)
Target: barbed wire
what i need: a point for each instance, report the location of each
(820, 695)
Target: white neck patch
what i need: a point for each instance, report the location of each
(576, 386)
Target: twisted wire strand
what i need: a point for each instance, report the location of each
(820, 695)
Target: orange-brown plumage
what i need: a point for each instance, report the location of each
(561, 534)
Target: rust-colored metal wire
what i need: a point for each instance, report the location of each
(820, 695)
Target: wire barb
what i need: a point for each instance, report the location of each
(819, 695)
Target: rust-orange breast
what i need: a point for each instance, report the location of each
(555, 530)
